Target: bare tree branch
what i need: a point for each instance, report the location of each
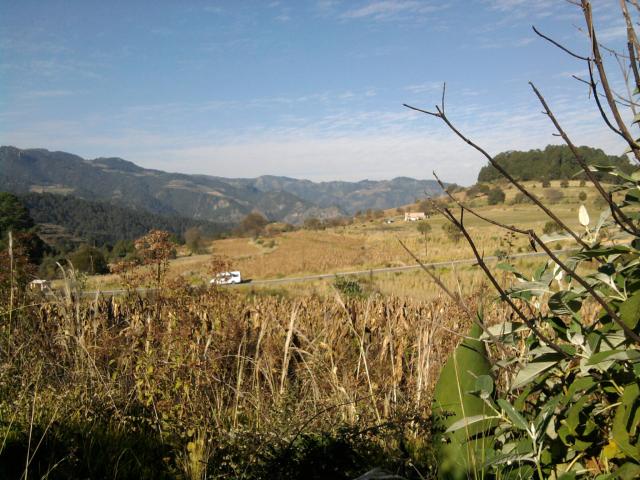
(597, 57)
(561, 47)
(440, 114)
(627, 224)
(496, 285)
(535, 238)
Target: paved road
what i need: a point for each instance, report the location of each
(373, 271)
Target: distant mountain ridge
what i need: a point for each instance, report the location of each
(200, 197)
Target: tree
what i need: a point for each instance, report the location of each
(155, 249)
(89, 260)
(555, 162)
(452, 232)
(521, 198)
(424, 228)
(495, 196)
(253, 224)
(312, 223)
(193, 239)
(14, 215)
(582, 196)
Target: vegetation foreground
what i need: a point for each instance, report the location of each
(215, 383)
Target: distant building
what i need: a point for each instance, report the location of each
(414, 216)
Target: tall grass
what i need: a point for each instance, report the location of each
(197, 383)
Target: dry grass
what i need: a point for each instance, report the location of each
(193, 370)
(372, 244)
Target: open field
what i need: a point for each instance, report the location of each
(376, 244)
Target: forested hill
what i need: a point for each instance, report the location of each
(555, 162)
(103, 223)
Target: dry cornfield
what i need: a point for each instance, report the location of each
(217, 377)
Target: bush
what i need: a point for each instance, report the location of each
(495, 196)
(89, 260)
(193, 239)
(253, 224)
(349, 287)
(313, 223)
(582, 196)
(477, 190)
(521, 198)
(564, 184)
(452, 232)
(554, 196)
(551, 227)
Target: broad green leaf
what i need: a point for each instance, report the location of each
(530, 371)
(502, 329)
(609, 355)
(468, 421)
(484, 385)
(513, 415)
(630, 310)
(565, 302)
(628, 471)
(625, 412)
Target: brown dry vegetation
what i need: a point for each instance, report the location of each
(217, 381)
(374, 244)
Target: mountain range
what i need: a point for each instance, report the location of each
(200, 197)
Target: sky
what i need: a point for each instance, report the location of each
(307, 89)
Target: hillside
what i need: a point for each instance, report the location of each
(67, 217)
(555, 162)
(349, 196)
(200, 197)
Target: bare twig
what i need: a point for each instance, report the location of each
(597, 58)
(535, 238)
(441, 114)
(627, 225)
(496, 285)
(561, 47)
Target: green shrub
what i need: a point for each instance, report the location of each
(521, 198)
(551, 227)
(452, 232)
(89, 260)
(349, 287)
(495, 196)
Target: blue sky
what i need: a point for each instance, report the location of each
(308, 89)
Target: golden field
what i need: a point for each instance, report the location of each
(369, 244)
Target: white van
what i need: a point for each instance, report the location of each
(226, 278)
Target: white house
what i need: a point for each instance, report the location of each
(414, 216)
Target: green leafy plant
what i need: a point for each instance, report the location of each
(563, 400)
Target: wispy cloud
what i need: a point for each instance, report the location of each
(392, 9)
(427, 87)
(349, 143)
(36, 94)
